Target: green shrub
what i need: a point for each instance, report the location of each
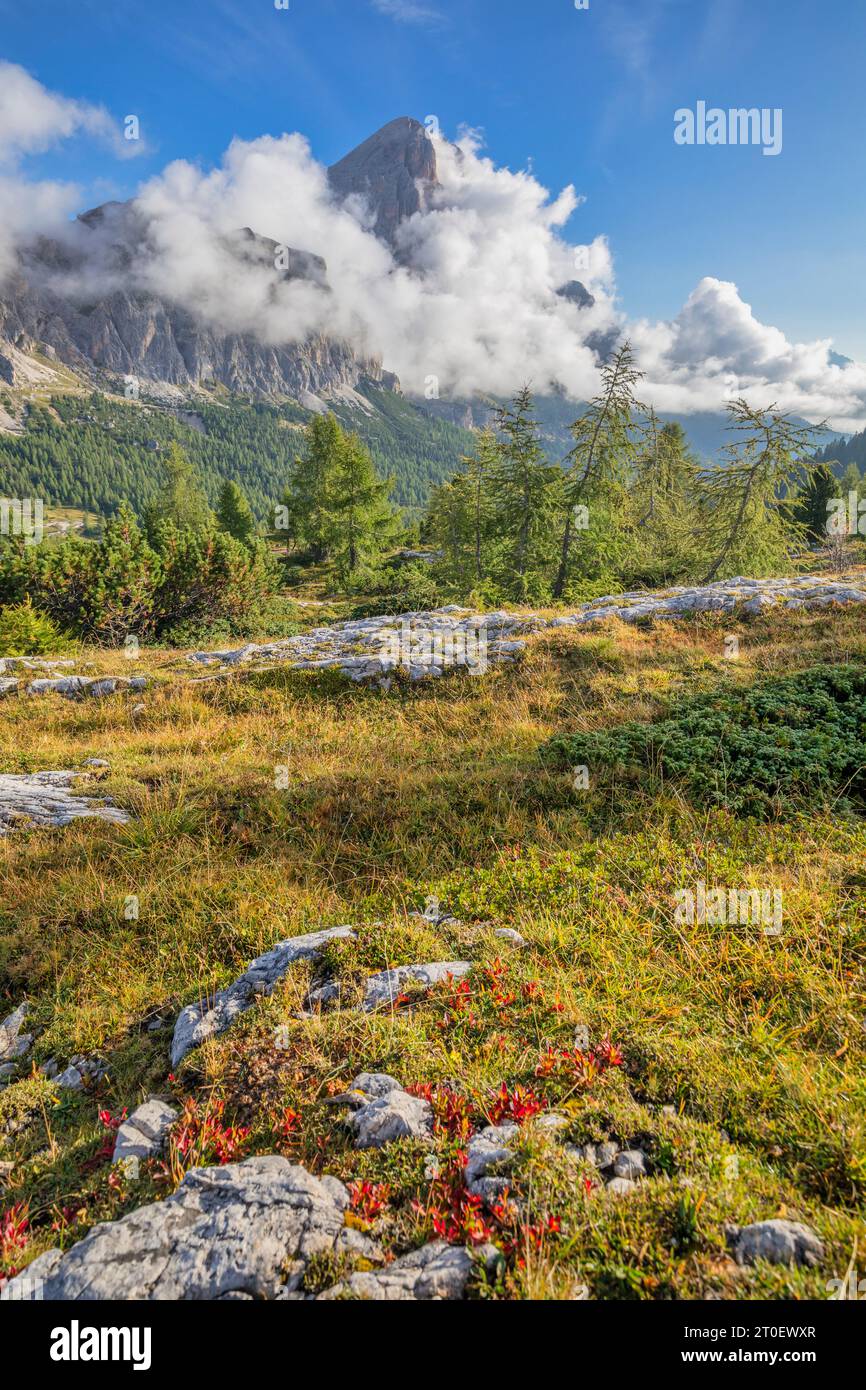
(24, 631)
(129, 583)
(801, 738)
(395, 588)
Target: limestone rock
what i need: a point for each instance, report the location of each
(488, 1148)
(394, 1115)
(209, 1018)
(247, 1228)
(81, 1073)
(510, 935)
(779, 1242)
(630, 1164)
(388, 985)
(14, 1043)
(74, 687)
(435, 1273)
(143, 1133)
(620, 1187)
(46, 799)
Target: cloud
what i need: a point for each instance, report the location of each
(34, 119)
(408, 11)
(469, 302)
(716, 349)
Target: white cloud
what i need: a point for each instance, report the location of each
(471, 299)
(716, 349)
(33, 119)
(408, 11)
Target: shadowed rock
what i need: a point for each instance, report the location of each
(382, 1111)
(14, 1043)
(437, 1272)
(143, 1134)
(213, 1016)
(381, 990)
(245, 1229)
(779, 1242)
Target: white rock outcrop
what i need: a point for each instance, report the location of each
(47, 799)
(213, 1015)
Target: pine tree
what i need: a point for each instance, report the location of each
(307, 496)
(664, 505)
(602, 452)
(525, 489)
(810, 508)
(359, 522)
(460, 512)
(234, 514)
(181, 500)
(749, 526)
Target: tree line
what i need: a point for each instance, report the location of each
(629, 505)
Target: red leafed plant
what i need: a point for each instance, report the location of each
(110, 1123)
(579, 1068)
(290, 1123)
(452, 1113)
(14, 1226)
(518, 1105)
(368, 1199)
(201, 1137)
(454, 1214)
(517, 1238)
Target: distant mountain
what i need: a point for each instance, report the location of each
(394, 172)
(48, 303)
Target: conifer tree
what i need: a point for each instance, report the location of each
(602, 452)
(307, 496)
(359, 522)
(664, 505)
(460, 514)
(811, 505)
(234, 514)
(525, 492)
(181, 500)
(748, 523)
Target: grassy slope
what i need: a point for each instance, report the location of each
(757, 1042)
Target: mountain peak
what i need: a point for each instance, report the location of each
(394, 171)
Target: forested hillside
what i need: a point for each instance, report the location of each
(847, 451)
(95, 452)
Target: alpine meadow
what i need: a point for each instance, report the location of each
(432, 671)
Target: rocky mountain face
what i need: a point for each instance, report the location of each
(394, 173)
(50, 305)
(83, 301)
(78, 300)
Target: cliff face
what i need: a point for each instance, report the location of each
(137, 335)
(80, 299)
(394, 172)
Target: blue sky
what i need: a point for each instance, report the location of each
(587, 96)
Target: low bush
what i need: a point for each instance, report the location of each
(800, 738)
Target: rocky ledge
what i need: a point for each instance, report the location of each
(47, 799)
(428, 643)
